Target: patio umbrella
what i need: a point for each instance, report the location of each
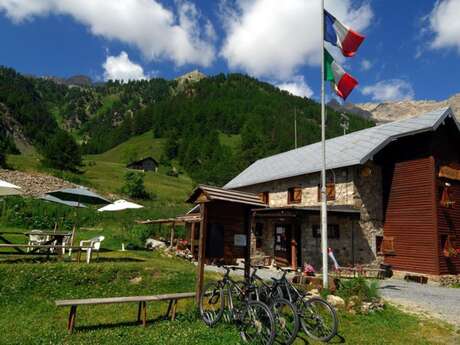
(79, 195)
(120, 205)
(51, 198)
(7, 188)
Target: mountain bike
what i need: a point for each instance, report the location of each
(317, 317)
(285, 313)
(253, 318)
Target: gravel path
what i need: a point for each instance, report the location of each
(440, 302)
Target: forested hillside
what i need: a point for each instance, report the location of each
(214, 127)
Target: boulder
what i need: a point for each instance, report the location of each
(153, 244)
(336, 301)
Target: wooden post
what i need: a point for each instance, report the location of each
(294, 254)
(173, 315)
(192, 240)
(173, 228)
(144, 313)
(201, 252)
(71, 321)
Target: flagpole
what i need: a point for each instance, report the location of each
(323, 167)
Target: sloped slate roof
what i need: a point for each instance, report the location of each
(347, 150)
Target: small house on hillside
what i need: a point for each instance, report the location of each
(146, 164)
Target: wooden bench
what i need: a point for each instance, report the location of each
(142, 300)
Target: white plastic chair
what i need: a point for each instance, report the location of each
(93, 244)
(36, 237)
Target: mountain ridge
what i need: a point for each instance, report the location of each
(397, 110)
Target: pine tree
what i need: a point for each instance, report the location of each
(62, 152)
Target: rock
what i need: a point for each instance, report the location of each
(370, 307)
(34, 184)
(153, 244)
(336, 301)
(314, 292)
(135, 280)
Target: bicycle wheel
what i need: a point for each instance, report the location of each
(318, 319)
(286, 321)
(212, 303)
(257, 325)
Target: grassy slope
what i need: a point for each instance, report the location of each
(105, 172)
(28, 314)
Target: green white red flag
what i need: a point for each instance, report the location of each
(342, 82)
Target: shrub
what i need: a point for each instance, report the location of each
(134, 186)
(38, 214)
(360, 287)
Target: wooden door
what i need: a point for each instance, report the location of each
(215, 241)
(283, 237)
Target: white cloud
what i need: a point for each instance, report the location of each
(297, 86)
(156, 31)
(122, 68)
(389, 90)
(366, 65)
(445, 25)
(273, 38)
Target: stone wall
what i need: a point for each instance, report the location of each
(351, 248)
(369, 199)
(344, 188)
(359, 187)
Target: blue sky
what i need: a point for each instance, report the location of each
(411, 51)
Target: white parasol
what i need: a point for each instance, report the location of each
(120, 205)
(7, 188)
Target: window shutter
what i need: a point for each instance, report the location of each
(298, 195)
(330, 189)
(388, 245)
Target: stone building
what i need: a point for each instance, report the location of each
(389, 198)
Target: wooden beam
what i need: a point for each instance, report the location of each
(201, 252)
(173, 228)
(192, 240)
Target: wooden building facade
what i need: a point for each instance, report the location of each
(146, 164)
(397, 184)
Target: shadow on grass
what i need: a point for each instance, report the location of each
(36, 258)
(104, 326)
(120, 259)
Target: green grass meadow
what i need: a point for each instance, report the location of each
(28, 314)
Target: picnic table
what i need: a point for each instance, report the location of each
(53, 236)
(16, 246)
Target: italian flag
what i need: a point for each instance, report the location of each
(342, 82)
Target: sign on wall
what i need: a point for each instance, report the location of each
(239, 240)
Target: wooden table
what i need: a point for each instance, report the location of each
(54, 236)
(78, 249)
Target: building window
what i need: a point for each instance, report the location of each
(388, 245)
(333, 231)
(330, 191)
(379, 245)
(265, 197)
(294, 195)
(259, 232)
